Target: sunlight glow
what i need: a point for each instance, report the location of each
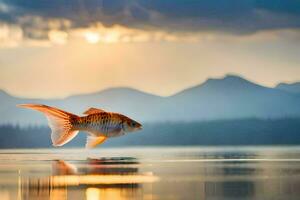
(61, 33)
(111, 37)
(10, 36)
(92, 194)
(104, 193)
(92, 37)
(102, 179)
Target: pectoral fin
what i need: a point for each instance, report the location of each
(93, 141)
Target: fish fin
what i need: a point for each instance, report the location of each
(61, 167)
(93, 141)
(59, 122)
(93, 111)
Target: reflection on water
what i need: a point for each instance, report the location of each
(152, 173)
(114, 178)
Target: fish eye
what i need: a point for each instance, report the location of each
(133, 124)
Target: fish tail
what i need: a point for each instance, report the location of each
(59, 121)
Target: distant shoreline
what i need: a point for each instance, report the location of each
(206, 133)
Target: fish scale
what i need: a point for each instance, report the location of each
(102, 122)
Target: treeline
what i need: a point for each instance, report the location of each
(18, 137)
(222, 132)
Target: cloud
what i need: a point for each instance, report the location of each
(117, 33)
(10, 35)
(55, 20)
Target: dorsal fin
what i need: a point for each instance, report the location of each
(93, 111)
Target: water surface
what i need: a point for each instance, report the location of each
(151, 173)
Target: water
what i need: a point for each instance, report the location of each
(151, 173)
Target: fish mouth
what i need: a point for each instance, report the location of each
(140, 127)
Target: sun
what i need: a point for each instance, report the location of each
(92, 37)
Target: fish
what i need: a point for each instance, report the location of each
(97, 123)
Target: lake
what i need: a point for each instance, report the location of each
(151, 173)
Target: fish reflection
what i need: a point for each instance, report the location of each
(266, 175)
(109, 178)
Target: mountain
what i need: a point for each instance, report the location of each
(128, 101)
(289, 87)
(230, 97)
(235, 97)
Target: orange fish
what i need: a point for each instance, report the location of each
(98, 123)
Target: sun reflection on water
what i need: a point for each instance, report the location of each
(204, 174)
(109, 193)
(99, 178)
(93, 194)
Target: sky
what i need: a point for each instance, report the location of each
(58, 48)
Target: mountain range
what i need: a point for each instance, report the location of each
(230, 97)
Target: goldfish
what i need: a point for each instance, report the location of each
(97, 123)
